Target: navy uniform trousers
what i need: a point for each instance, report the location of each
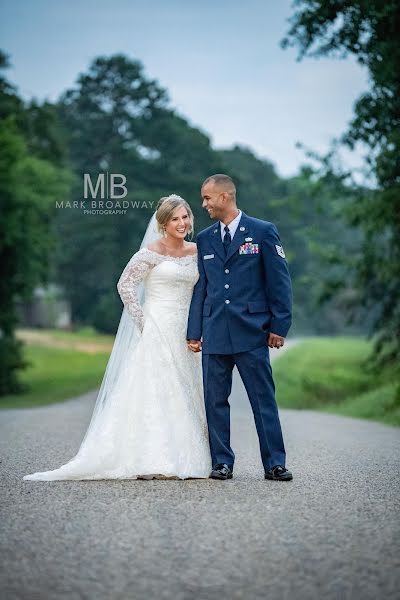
(255, 371)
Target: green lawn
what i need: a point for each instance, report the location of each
(88, 334)
(328, 374)
(57, 374)
(319, 373)
(85, 337)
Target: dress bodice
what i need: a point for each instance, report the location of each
(168, 282)
(171, 281)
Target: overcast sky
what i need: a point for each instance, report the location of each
(220, 60)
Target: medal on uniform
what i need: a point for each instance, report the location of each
(249, 248)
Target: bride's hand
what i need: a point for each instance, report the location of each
(194, 345)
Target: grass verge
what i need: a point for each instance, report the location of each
(57, 374)
(329, 374)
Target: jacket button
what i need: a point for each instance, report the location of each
(227, 301)
(226, 286)
(226, 270)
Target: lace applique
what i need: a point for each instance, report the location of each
(135, 272)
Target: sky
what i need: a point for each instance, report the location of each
(220, 61)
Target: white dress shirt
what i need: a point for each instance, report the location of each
(233, 225)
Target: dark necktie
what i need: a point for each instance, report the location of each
(227, 239)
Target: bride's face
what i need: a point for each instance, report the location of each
(179, 224)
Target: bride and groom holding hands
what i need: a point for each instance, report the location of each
(191, 313)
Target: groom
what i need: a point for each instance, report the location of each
(241, 305)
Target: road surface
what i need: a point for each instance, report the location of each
(330, 533)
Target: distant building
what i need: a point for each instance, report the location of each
(48, 309)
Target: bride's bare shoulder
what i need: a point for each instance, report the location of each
(192, 247)
(155, 247)
(158, 247)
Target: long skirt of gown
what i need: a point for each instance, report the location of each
(156, 422)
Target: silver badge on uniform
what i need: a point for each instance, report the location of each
(280, 251)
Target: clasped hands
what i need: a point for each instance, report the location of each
(274, 341)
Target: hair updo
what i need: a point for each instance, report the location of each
(165, 208)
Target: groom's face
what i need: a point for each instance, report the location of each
(213, 200)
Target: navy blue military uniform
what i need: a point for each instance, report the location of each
(243, 293)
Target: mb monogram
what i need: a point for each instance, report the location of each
(109, 188)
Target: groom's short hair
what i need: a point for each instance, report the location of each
(222, 180)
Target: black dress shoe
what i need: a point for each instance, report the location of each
(279, 473)
(221, 471)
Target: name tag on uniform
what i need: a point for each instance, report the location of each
(249, 249)
(207, 256)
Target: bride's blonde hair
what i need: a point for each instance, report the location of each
(166, 206)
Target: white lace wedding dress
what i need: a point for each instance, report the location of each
(157, 422)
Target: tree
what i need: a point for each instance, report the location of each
(118, 120)
(28, 189)
(369, 31)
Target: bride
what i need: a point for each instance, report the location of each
(149, 418)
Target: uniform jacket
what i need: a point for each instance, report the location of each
(240, 298)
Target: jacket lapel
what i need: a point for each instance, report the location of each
(238, 239)
(216, 240)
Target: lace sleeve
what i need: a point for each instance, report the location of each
(135, 271)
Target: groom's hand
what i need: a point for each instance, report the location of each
(275, 341)
(194, 345)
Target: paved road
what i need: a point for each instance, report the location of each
(330, 533)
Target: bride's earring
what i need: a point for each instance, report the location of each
(165, 233)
